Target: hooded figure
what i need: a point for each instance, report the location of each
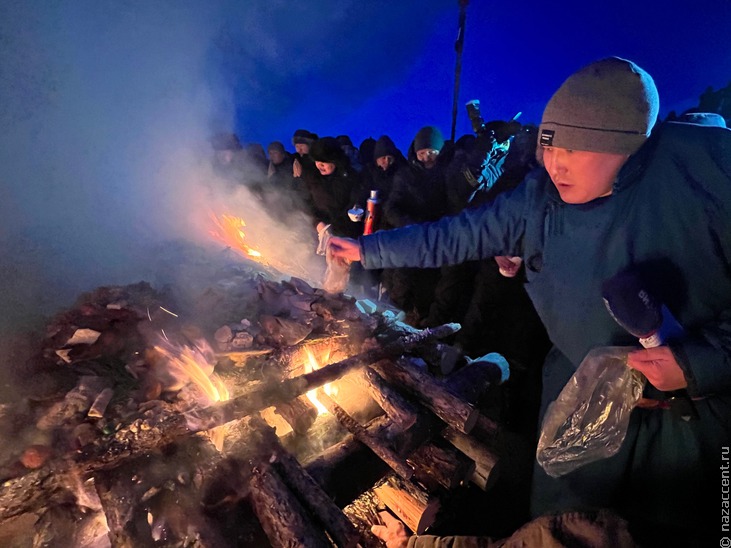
(332, 187)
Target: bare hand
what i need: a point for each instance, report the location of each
(296, 168)
(345, 248)
(392, 532)
(509, 266)
(659, 366)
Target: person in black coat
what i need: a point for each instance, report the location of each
(418, 195)
(332, 187)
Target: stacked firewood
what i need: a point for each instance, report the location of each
(124, 442)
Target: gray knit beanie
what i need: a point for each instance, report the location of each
(607, 106)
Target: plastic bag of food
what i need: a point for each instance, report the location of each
(589, 419)
(337, 272)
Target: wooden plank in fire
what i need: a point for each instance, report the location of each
(379, 447)
(144, 434)
(444, 403)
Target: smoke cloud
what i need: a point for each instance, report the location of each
(107, 110)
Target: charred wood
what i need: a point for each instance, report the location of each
(150, 432)
(431, 392)
(399, 409)
(280, 513)
(377, 445)
(440, 466)
(325, 466)
(307, 489)
(483, 457)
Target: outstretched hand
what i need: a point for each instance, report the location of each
(659, 366)
(392, 532)
(344, 248)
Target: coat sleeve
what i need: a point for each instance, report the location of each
(705, 354)
(494, 229)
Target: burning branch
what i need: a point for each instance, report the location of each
(145, 434)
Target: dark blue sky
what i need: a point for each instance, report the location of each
(388, 67)
(106, 107)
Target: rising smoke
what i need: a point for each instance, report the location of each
(106, 110)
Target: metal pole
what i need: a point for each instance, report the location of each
(458, 46)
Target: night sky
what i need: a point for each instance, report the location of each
(106, 107)
(368, 68)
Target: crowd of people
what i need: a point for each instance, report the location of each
(512, 231)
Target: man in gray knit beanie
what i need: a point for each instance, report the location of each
(598, 117)
(608, 106)
(615, 199)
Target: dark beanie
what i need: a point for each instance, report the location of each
(428, 137)
(276, 146)
(608, 106)
(302, 136)
(225, 141)
(344, 140)
(385, 147)
(327, 149)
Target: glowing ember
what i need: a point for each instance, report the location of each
(229, 230)
(312, 364)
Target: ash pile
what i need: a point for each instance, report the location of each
(254, 412)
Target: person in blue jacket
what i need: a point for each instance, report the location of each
(611, 197)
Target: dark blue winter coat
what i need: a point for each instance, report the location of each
(669, 217)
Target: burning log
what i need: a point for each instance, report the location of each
(271, 394)
(484, 459)
(399, 410)
(388, 455)
(280, 513)
(148, 433)
(436, 465)
(324, 466)
(414, 507)
(432, 393)
(299, 413)
(307, 489)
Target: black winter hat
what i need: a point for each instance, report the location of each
(428, 137)
(327, 149)
(276, 146)
(385, 147)
(225, 141)
(302, 136)
(344, 140)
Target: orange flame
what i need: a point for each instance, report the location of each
(185, 364)
(189, 365)
(312, 364)
(229, 231)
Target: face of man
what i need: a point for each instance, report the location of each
(581, 176)
(384, 162)
(302, 148)
(325, 168)
(427, 156)
(276, 156)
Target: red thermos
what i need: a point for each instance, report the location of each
(373, 213)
